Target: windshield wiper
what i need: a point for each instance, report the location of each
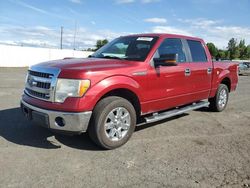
(111, 57)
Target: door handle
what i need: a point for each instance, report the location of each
(209, 70)
(187, 72)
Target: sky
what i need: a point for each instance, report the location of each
(38, 22)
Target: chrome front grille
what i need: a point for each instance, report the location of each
(38, 94)
(43, 85)
(40, 74)
(41, 82)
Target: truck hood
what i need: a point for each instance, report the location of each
(87, 64)
(92, 68)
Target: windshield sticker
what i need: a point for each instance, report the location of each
(149, 39)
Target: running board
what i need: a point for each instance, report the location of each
(167, 114)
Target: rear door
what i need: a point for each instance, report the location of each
(200, 70)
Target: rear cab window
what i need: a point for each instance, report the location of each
(197, 51)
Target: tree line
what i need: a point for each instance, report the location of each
(234, 50)
(98, 45)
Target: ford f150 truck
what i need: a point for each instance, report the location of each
(131, 81)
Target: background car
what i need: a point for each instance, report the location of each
(244, 68)
(247, 64)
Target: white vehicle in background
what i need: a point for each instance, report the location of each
(244, 68)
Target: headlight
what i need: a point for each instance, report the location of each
(70, 88)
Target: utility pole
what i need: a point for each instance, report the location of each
(61, 36)
(74, 45)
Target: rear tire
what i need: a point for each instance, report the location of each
(219, 102)
(113, 122)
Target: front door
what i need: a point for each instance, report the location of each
(169, 86)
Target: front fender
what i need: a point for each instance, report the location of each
(96, 92)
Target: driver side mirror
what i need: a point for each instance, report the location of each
(166, 60)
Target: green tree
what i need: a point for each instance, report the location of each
(90, 49)
(247, 52)
(213, 50)
(100, 43)
(228, 54)
(242, 49)
(221, 54)
(233, 49)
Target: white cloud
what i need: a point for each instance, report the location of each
(50, 37)
(214, 31)
(238, 32)
(9, 42)
(220, 35)
(215, 2)
(210, 30)
(200, 22)
(32, 7)
(170, 30)
(76, 1)
(124, 1)
(149, 1)
(156, 20)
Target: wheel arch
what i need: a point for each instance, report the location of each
(126, 94)
(222, 78)
(120, 86)
(227, 82)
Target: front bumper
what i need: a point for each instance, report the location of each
(61, 121)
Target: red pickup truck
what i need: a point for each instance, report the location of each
(131, 81)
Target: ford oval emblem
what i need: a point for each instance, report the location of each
(31, 82)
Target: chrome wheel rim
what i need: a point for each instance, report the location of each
(117, 124)
(222, 98)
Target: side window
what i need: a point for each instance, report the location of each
(197, 51)
(172, 46)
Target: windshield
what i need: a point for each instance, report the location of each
(129, 48)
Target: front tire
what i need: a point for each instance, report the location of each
(113, 122)
(219, 102)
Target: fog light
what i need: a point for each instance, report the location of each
(59, 121)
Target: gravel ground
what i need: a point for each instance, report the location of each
(197, 149)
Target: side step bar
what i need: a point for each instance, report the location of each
(160, 116)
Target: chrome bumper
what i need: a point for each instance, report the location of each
(61, 121)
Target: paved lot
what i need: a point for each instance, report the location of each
(198, 149)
